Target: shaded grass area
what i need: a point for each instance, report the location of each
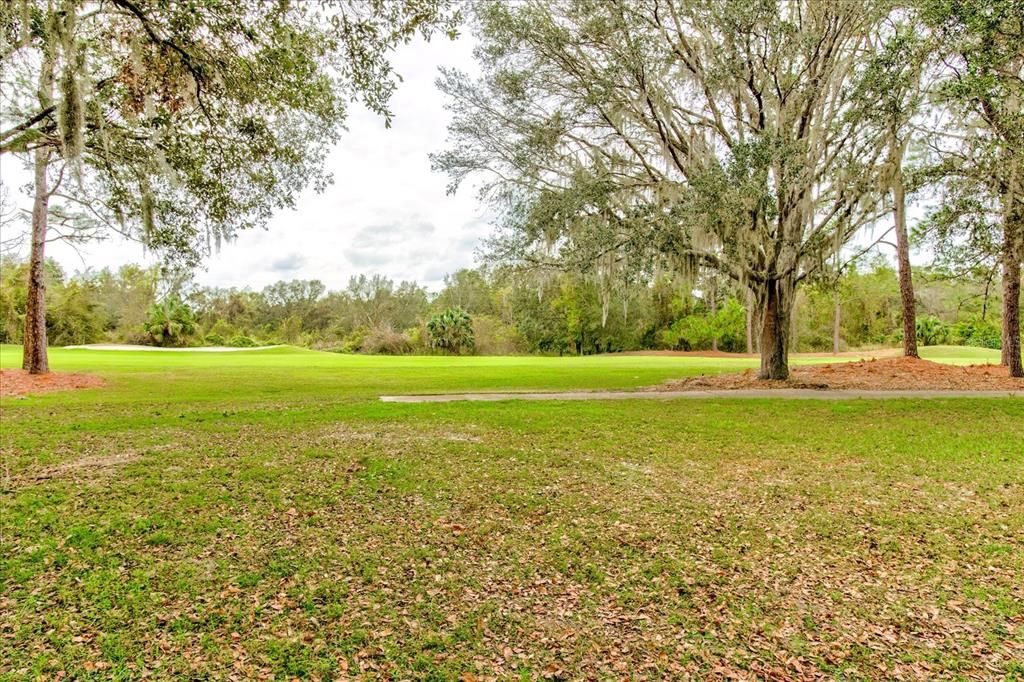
(261, 514)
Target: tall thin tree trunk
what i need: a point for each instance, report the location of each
(775, 304)
(836, 315)
(714, 309)
(794, 328)
(1013, 254)
(984, 300)
(34, 356)
(899, 210)
(750, 322)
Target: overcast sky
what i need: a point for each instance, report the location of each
(385, 213)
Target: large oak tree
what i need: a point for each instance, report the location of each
(702, 134)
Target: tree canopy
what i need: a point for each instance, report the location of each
(752, 138)
(181, 123)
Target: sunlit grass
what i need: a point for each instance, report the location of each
(263, 514)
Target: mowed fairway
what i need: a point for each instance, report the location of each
(262, 515)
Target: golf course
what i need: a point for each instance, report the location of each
(263, 515)
(511, 341)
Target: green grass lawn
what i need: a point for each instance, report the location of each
(261, 514)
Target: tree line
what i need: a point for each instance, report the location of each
(496, 310)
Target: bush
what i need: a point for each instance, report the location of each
(417, 338)
(982, 334)
(241, 341)
(385, 341)
(353, 341)
(700, 330)
(214, 340)
(451, 331)
(491, 336)
(931, 331)
(134, 338)
(170, 323)
(693, 332)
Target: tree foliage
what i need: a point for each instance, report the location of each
(451, 330)
(170, 322)
(615, 136)
(755, 139)
(181, 123)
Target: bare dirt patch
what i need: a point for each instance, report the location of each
(97, 464)
(892, 374)
(20, 382)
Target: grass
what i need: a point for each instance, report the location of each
(262, 514)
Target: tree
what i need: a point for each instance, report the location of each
(615, 136)
(983, 43)
(170, 322)
(891, 90)
(466, 289)
(179, 124)
(451, 331)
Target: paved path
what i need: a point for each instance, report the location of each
(786, 393)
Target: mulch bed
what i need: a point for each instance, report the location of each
(892, 374)
(19, 382)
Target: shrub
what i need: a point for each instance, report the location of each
(979, 333)
(214, 340)
(491, 336)
(417, 338)
(353, 341)
(170, 322)
(693, 332)
(385, 341)
(241, 341)
(931, 331)
(451, 331)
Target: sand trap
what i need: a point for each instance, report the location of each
(198, 349)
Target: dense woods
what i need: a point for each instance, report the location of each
(508, 312)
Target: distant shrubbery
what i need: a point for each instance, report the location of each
(703, 329)
(170, 322)
(385, 341)
(975, 333)
(488, 312)
(451, 331)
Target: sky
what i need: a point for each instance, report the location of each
(386, 212)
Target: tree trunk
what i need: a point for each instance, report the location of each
(836, 318)
(714, 309)
(775, 302)
(1012, 256)
(750, 322)
(899, 209)
(34, 356)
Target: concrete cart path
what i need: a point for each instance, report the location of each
(786, 393)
